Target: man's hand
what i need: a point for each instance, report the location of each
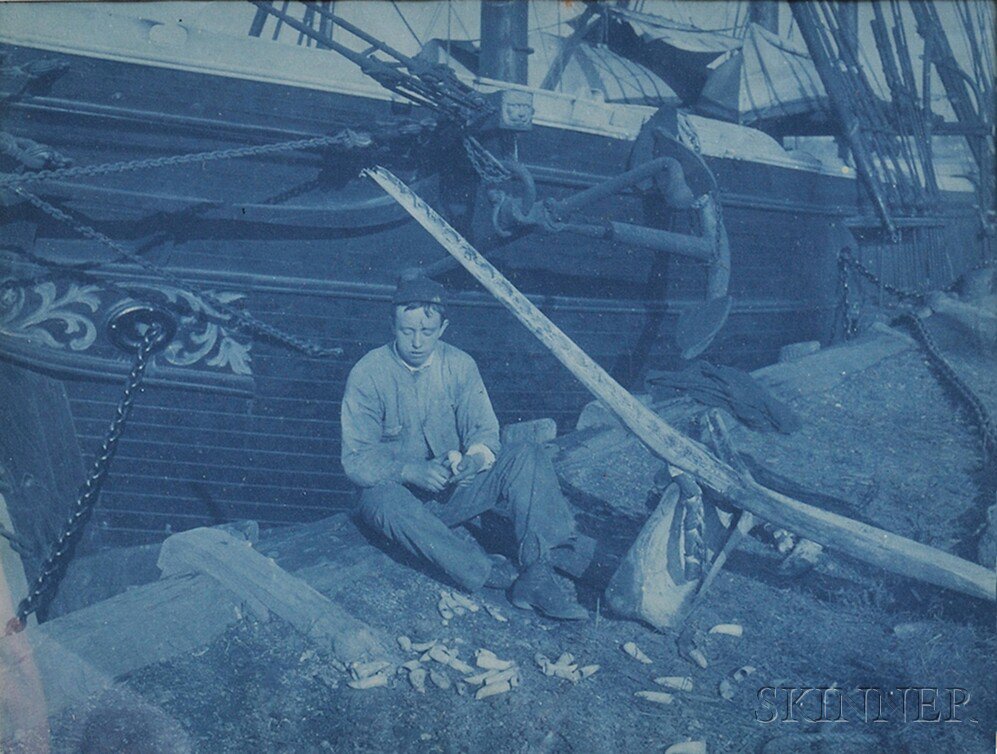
(468, 467)
(431, 476)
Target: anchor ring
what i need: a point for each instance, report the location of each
(128, 324)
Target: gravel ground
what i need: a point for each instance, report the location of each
(890, 441)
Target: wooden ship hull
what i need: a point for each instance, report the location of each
(230, 426)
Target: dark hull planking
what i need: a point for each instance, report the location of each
(208, 444)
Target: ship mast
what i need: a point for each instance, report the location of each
(765, 13)
(504, 46)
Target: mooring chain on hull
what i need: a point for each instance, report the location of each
(848, 261)
(238, 317)
(488, 167)
(981, 415)
(979, 410)
(849, 308)
(345, 138)
(62, 549)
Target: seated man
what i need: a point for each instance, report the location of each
(421, 440)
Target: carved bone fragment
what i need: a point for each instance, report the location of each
(658, 697)
(370, 682)
(492, 689)
(634, 651)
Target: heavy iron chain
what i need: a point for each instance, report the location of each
(979, 410)
(981, 415)
(61, 552)
(850, 262)
(488, 167)
(485, 164)
(345, 138)
(240, 318)
(849, 308)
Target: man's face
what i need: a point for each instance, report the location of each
(416, 333)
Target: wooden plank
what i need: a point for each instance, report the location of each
(13, 582)
(599, 435)
(264, 585)
(821, 371)
(57, 664)
(868, 543)
(535, 430)
(40, 457)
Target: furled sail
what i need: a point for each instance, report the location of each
(679, 53)
(588, 69)
(767, 80)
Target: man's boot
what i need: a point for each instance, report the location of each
(503, 573)
(573, 557)
(538, 588)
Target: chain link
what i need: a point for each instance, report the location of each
(345, 138)
(851, 262)
(849, 307)
(981, 415)
(485, 164)
(61, 552)
(979, 410)
(981, 265)
(240, 318)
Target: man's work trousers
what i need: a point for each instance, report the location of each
(521, 486)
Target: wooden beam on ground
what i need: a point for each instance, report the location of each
(535, 430)
(823, 370)
(259, 582)
(13, 582)
(50, 667)
(59, 663)
(41, 459)
(870, 544)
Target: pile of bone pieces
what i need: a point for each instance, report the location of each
(435, 661)
(437, 664)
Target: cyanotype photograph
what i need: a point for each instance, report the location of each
(498, 377)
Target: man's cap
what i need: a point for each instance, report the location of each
(418, 289)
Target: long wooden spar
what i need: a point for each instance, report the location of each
(876, 546)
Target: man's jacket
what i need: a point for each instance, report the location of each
(393, 414)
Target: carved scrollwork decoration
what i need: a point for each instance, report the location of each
(202, 336)
(41, 316)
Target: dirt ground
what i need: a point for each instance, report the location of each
(891, 441)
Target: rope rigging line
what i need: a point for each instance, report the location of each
(434, 86)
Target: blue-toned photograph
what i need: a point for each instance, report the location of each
(498, 376)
